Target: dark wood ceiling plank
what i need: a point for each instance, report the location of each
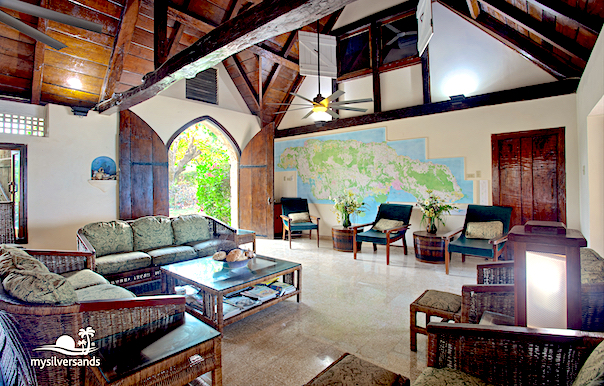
(189, 20)
(520, 43)
(17, 48)
(138, 65)
(120, 48)
(140, 51)
(275, 57)
(178, 11)
(230, 11)
(556, 39)
(38, 66)
(59, 77)
(110, 24)
(563, 87)
(68, 93)
(267, 19)
(94, 37)
(592, 23)
(160, 34)
(82, 49)
(10, 65)
(247, 83)
(289, 98)
(474, 8)
(109, 8)
(76, 65)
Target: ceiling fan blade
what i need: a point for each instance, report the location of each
(393, 28)
(283, 112)
(394, 39)
(302, 97)
(335, 95)
(289, 104)
(351, 108)
(34, 10)
(340, 103)
(333, 114)
(308, 115)
(30, 31)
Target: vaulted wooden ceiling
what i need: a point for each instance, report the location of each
(138, 36)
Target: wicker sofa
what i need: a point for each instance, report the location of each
(117, 317)
(130, 253)
(468, 354)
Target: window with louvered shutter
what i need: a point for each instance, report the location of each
(204, 87)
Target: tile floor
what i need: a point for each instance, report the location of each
(357, 306)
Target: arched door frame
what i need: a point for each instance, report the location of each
(235, 167)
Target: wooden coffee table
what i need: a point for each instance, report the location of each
(214, 282)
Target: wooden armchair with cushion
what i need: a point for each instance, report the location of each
(471, 354)
(390, 225)
(296, 218)
(51, 294)
(484, 233)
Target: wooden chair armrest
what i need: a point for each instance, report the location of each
(394, 230)
(64, 261)
(499, 240)
(314, 218)
(284, 218)
(449, 235)
(141, 301)
(355, 227)
(487, 352)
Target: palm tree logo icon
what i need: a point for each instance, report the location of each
(67, 345)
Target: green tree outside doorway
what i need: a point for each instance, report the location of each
(199, 174)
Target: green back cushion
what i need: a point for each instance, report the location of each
(484, 230)
(109, 237)
(152, 232)
(592, 372)
(27, 279)
(191, 227)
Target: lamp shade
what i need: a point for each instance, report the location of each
(547, 274)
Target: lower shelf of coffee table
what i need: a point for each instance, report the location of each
(235, 318)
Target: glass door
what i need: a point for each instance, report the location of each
(13, 186)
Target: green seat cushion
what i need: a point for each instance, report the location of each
(592, 371)
(592, 267)
(440, 300)
(84, 278)
(209, 247)
(191, 227)
(474, 247)
(103, 292)
(109, 237)
(432, 376)
(376, 237)
(152, 232)
(352, 371)
(485, 230)
(122, 262)
(169, 255)
(39, 287)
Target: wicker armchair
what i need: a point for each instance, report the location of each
(505, 356)
(42, 324)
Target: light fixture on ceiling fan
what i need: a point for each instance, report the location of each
(34, 10)
(319, 103)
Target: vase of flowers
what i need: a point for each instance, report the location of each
(346, 205)
(433, 209)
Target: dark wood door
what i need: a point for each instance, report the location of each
(256, 183)
(529, 174)
(143, 179)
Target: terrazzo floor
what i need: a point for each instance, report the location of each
(357, 306)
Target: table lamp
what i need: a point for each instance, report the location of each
(547, 274)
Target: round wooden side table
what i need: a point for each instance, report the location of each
(429, 248)
(342, 239)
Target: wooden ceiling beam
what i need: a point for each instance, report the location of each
(559, 8)
(182, 12)
(230, 10)
(177, 31)
(247, 81)
(38, 67)
(160, 34)
(265, 20)
(120, 47)
(563, 43)
(563, 87)
(274, 57)
(289, 98)
(516, 41)
(474, 8)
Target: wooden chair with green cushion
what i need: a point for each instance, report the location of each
(390, 225)
(296, 217)
(481, 234)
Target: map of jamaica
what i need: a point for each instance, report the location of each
(366, 164)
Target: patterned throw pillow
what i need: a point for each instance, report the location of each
(191, 227)
(592, 372)
(384, 224)
(152, 232)
(109, 237)
(299, 217)
(484, 230)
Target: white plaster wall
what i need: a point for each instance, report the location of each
(595, 133)
(60, 199)
(467, 133)
(589, 93)
(363, 8)
(402, 88)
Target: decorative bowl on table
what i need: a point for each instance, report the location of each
(234, 264)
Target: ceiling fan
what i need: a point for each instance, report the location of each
(34, 10)
(320, 104)
(399, 37)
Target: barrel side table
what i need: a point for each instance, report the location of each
(342, 239)
(429, 248)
